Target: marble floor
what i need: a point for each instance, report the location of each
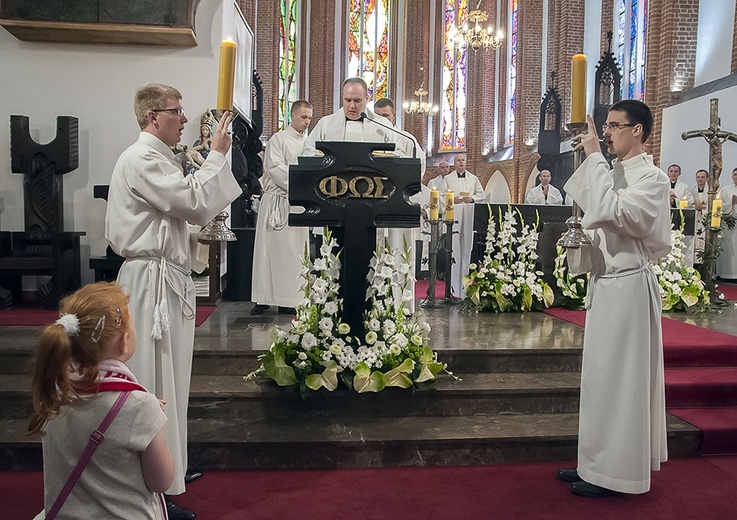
(231, 327)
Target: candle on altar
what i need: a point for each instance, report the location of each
(226, 75)
(578, 89)
(449, 208)
(434, 203)
(683, 203)
(716, 213)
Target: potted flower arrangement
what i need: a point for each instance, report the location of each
(573, 288)
(681, 286)
(507, 279)
(318, 350)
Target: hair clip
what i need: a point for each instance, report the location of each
(97, 333)
(119, 319)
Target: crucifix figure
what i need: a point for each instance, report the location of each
(715, 137)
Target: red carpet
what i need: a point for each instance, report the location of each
(698, 488)
(700, 379)
(41, 317)
(729, 291)
(421, 287)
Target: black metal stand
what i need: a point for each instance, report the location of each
(439, 244)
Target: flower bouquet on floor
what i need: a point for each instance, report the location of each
(572, 288)
(318, 350)
(681, 286)
(507, 279)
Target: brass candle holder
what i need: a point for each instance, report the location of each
(575, 238)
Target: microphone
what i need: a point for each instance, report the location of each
(364, 117)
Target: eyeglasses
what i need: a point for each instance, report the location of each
(615, 126)
(177, 111)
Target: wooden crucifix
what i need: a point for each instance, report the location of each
(715, 137)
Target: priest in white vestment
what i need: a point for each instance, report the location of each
(467, 191)
(679, 190)
(349, 122)
(544, 193)
(153, 216)
(700, 200)
(727, 260)
(279, 248)
(622, 429)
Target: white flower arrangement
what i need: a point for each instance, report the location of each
(507, 280)
(681, 286)
(318, 350)
(573, 288)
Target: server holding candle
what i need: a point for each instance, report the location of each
(154, 214)
(622, 430)
(726, 204)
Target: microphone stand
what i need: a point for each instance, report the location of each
(414, 146)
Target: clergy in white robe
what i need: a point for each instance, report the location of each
(544, 193)
(349, 122)
(153, 216)
(622, 427)
(727, 259)
(679, 190)
(700, 194)
(467, 191)
(279, 248)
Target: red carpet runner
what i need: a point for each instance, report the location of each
(42, 317)
(700, 488)
(700, 379)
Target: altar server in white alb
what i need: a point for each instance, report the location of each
(349, 122)
(279, 248)
(727, 260)
(467, 190)
(622, 431)
(544, 193)
(153, 216)
(679, 190)
(700, 194)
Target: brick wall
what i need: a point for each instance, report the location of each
(670, 58)
(417, 55)
(266, 33)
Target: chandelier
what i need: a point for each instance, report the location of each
(420, 107)
(477, 36)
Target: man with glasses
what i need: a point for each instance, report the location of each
(154, 214)
(622, 431)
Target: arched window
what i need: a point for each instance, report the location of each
(512, 89)
(454, 87)
(368, 44)
(630, 29)
(287, 59)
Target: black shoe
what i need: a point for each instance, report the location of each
(259, 309)
(287, 310)
(191, 475)
(584, 489)
(177, 512)
(568, 475)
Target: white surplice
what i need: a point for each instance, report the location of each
(278, 248)
(682, 191)
(727, 259)
(622, 430)
(150, 207)
(536, 195)
(464, 215)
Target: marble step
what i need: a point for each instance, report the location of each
(461, 361)
(317, 443)
(232, 397)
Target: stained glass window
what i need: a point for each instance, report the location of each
(454, 87)
(630, 28)
(368, 44)
(512, 70)
(287, 59)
